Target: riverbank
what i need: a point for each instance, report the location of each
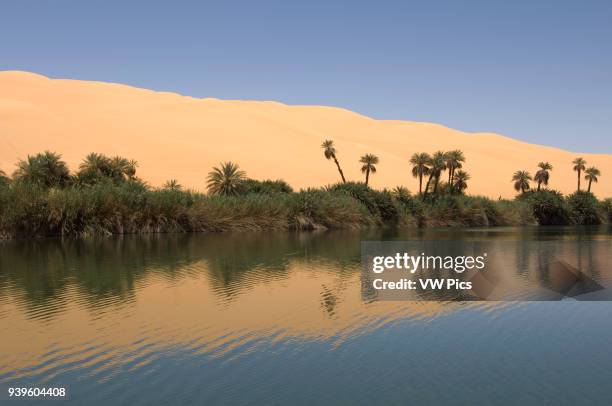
(29, 211)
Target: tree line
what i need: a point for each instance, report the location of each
(523, 178)
(48, 170)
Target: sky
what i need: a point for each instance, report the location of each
(539, 71)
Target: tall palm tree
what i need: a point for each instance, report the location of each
(521, 181)
(460, 179)
(419, 163)
(46, 169)
(330, 153)
(369, 162)
(543, 174)
(225, 180)
(454, 160)
(172, 184)
(579, 166)
(591, 175)
(436, 165)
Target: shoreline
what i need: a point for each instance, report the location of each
(30, 212)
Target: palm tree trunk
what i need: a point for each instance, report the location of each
(427, 185)
(367, 176)
(436, 184)
(339, 170)
(589, 190)
(579, 180)
(539, 183)
(421, 183)
(450, 176)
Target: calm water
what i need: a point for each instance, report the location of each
(282, 319)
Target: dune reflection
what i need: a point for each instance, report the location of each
(103, 307)
(193, 314)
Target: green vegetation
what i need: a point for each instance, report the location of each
(105, 197)
(592, 176)
(369, 162)
(4, 180)
(172, 184)
(521, 181)
(97, 168)
(267, 187)
(548, 207)
(579, 166)
(437, 164)
(543, 174)
(453, 160)
(584, 208)
(226, 180)
(459, 181)
(420, 168)
(606, 210)
(45, 170)
(329, 151)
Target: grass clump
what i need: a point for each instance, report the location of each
(380, 204)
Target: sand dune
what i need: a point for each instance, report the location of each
(179, 137)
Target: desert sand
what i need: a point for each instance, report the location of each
(179, 137)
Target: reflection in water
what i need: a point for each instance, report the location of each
(87, 312)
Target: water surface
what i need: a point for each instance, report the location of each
(281, 318)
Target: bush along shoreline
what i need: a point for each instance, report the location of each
(105, 197)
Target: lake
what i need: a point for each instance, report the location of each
(282, 318)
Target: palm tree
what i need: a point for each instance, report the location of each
(95, 168)
(172, 184)
(330, 152)
(46, 169)
(521, 181)
(119, 166)
(95, 162)
(579, 166)
(436, 165)
(225, 180)
(460, 179)
(454, 160)
(542, 175)
(369, 162)
(400, 192)
(591, 175)
(419, 163)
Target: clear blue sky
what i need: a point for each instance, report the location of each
(539, 71)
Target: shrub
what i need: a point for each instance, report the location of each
(314, 208)
(265, 186)
(23, 210)
(379, 203)
(548, 207)
(515, 212)
(606, 209)
(583, 208)
(456, 211)
(413, 207)
(251, 212)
